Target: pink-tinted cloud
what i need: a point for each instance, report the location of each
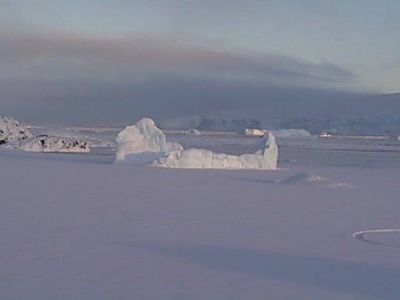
(54, 76)
(55, 55)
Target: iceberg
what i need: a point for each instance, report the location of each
(265, 158)
(143, 142)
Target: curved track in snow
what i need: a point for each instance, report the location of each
(361, 236)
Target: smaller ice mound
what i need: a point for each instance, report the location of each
(193, 131)
(143, 143)
(308, 178)
(265, 158)
(255, 132)
(44, 143)
(294, 133)
(11, 130)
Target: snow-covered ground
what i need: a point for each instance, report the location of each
(82, 227)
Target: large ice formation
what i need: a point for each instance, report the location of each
(144, 143)
(11, 130)
(266, 158)
(44, 143)
(143, 140)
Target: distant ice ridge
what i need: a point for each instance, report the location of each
(11, 130)
(51, 144)
(144, 143)
(283, 133)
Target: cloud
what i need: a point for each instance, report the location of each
(57, 55)
(162, 98)
(51, 76)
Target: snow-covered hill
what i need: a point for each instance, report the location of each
(11, 130)
(51, 144)
(14, 135)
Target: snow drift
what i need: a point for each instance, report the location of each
(11, 130)
(143, 140)
(308, 178)
(266, 158)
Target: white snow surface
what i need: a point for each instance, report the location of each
(266, 158)
(11, 130)
(81, 227)
(141, 138)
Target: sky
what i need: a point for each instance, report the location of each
(76, 55)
